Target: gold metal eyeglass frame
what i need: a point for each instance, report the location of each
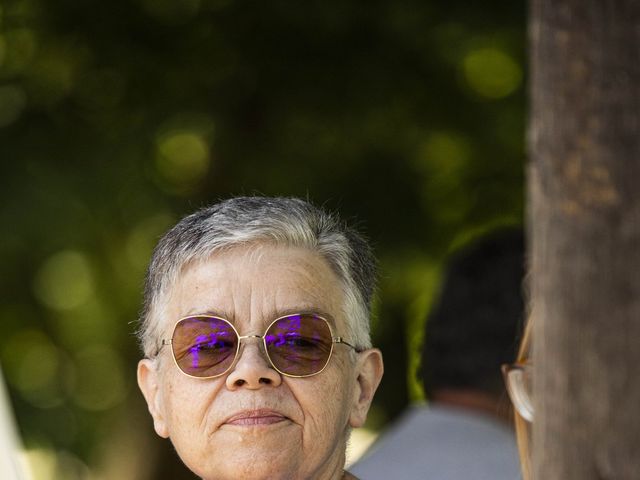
(334, 341)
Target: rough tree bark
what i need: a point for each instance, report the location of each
(584, 221)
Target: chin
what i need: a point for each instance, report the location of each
(256, 471)
(249, 459)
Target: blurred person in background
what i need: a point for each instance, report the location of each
(464, 432)
(255, 331)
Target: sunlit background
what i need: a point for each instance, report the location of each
(117, 117)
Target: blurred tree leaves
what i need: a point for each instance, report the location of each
(118, 117)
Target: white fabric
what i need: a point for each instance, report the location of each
(439, 443)
(10, 467)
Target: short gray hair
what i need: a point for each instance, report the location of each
(282, 221)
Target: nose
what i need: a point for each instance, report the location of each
(252, 369)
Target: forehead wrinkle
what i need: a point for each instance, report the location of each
(204, 303)
(213, 311)
(249, 294)
(315, 294)
(302, 309)
(245, 257)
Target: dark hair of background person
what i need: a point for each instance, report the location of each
(473, 326)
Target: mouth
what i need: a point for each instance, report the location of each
(250, 418)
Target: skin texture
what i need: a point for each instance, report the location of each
(252, 422)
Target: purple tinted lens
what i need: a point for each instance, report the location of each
(204, 346)
(299, 345)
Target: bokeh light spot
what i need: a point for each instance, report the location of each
(48, 464)
(32, 365)
(443, 159)
(12, 103)
(52, 75)
(76, 328)
(21, 45)
(359, 441)
(144, 237)
(491, 73)
(65, 281)
(42, 463)
(182, 159)
(99, 383)
(445, 152)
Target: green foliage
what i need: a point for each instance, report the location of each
(117, 117)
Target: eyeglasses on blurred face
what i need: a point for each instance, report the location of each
(518, 379)
(299, 345)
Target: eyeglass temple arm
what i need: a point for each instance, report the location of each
(342, 340)
(163, 342)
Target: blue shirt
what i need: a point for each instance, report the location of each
(442, 443)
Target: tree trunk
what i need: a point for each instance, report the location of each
(584, 219)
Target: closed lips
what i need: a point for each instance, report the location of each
(256, 417)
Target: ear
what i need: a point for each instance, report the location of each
(148, 381)
(370, 369)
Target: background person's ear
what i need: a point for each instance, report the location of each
(148, 383)
(369, 369)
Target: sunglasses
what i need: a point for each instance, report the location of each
(299, 345)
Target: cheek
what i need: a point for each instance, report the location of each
(186, 404)
(326, 407)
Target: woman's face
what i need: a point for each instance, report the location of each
(253, 422)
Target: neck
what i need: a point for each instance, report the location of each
(473, 400)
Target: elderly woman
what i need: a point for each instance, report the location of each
(255, 330)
